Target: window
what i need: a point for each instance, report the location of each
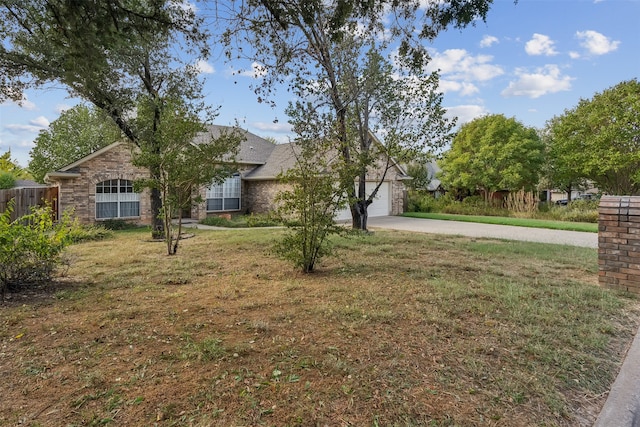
(225, 196)
(115, 199)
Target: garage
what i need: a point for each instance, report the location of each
(381, 205)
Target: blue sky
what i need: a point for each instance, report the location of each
(530, 60)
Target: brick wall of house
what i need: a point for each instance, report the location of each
(619, 243)
(80, 192)
(259, 196)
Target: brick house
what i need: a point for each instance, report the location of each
(100, 185)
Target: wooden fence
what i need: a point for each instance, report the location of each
(26, 198)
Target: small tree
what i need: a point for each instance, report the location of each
(309, 206)
(182, 164)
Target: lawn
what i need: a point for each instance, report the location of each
(501, 220)
(399, 330)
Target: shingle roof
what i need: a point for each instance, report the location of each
(282, 159)
(27, 183)
(252, 150)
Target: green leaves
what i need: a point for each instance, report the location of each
(77, 133)
(493, 153)
(599, 140)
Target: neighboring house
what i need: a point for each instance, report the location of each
(100, 186)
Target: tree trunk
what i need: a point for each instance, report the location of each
(359, 215)
(569, 188)
(157, 223)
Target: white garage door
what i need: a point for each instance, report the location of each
(381, 205)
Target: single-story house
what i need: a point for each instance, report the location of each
(100, 185)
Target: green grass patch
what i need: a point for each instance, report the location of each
(518, 222)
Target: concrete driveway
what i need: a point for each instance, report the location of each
(508, 232)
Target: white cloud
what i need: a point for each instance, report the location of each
(465, 89)
(574, 55)
(40, 121)
(488, 41)
(545, 80)
(257, 70)
(540, 45)
(34, 126)
(465, 113)
(24, 103)
(204, 67)
(273, 127)
(596, 43)
(19, 128)
(458, 64)
(61, 108)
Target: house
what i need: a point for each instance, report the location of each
(100, 186)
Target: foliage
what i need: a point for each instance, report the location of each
(77, 133)
(493, 153)
(132, 52)
(182, 165)
(30, 247)
(12, 167)
(7, 180)
(331, 55)
(308, 207)
(241, 221)
(599, 139)
(420, 175)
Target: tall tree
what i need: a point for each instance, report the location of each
(78, 132)
(493, 153)
(559, 170)
(111, 53)
(304, 39)
(599, 139)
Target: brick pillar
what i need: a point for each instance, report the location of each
(619, 243)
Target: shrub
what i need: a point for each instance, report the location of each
(7, 180)
(217, 221)
(261, 220)
(30, 247)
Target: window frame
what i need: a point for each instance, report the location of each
(225, 193)
(121, 194)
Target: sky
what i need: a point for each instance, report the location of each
(531, 60)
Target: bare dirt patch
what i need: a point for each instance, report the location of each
(398, 330)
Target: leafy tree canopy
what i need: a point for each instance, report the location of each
(336, 55)
(493, 153)
(12, 167)
(599, 139)
(77, 133)
(112, 53)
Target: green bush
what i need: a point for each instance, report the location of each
(217, 221)
(261, 220)
(30, 247)
(84, 233)
(7, 180)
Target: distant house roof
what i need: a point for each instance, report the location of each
(432, 171)
(27, 183)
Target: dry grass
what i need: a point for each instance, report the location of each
(399, 330)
